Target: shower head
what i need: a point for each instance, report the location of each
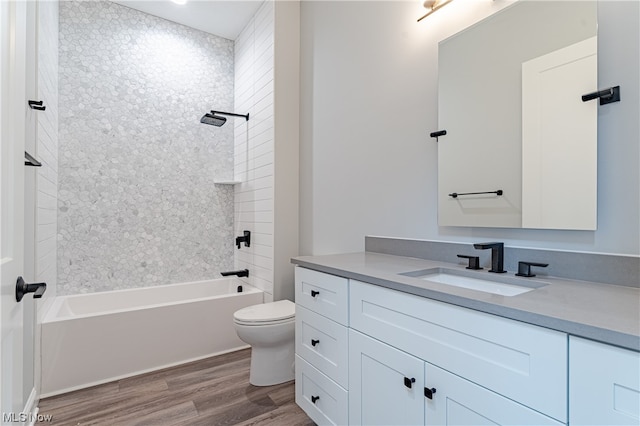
(215, 119)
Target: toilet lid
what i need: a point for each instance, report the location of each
(266, 312)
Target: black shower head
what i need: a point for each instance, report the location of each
(213, 119)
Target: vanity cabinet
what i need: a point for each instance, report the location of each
(322, 346)
(366, 354)
(604, 384)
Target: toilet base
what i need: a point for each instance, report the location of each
(272, 365)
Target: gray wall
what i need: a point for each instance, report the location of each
(369, 76)
(137, 203)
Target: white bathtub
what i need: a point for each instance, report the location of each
(95, 338)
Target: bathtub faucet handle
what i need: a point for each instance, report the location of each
(23, 288)
(245, 238)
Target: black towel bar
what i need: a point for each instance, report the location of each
(457, 194)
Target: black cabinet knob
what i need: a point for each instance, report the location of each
(314, 398)
(314, 293)
(409, 381)
(428, 392)
(314, 342)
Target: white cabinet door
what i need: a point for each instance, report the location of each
(456, 401)
(604, 384)
(385, 385)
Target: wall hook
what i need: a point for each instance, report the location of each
(606, 96)
(37, 105)
(29, 160)
(438, 134)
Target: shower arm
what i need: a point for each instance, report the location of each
(246, 117)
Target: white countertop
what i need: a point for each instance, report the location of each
(598, 311)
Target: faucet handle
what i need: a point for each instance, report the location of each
(474, 261)
(524, 268)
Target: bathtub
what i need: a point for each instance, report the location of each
(96, 338)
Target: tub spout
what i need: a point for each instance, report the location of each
(240, 273)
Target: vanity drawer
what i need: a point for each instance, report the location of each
(323, 343)
(322, 399)
(323, 293)
(523, 362)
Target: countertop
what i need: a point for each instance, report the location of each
(598, 311)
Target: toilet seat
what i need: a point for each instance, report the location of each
(282, 311)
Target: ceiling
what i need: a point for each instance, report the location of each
(224, 18)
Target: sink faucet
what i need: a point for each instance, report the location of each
(497, 255)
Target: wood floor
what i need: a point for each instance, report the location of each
(214, 391)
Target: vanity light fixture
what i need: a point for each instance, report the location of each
(433, 5)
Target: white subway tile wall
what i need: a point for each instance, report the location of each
(254, 145)
(47, 147)
(137, 201)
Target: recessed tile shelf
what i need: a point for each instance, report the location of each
(226, 182)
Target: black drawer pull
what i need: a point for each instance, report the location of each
(409, 381)
(314, 342)
(314, 293)
(429, 392)
(314, 398)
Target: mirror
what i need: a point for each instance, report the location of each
(509, 97)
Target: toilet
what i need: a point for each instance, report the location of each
(270, 329)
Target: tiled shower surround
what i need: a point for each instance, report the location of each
(137, 201)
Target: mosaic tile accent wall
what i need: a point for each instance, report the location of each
(137, 201)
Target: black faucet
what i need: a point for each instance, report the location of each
(497, 255)
(240, 273)
(246, 239)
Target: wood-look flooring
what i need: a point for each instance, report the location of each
(213, 391)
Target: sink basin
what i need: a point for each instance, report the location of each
(502, 285)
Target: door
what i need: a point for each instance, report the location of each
(29, 269)
(385, 384)
(12, 131)
(456, 401)
(559, 139)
